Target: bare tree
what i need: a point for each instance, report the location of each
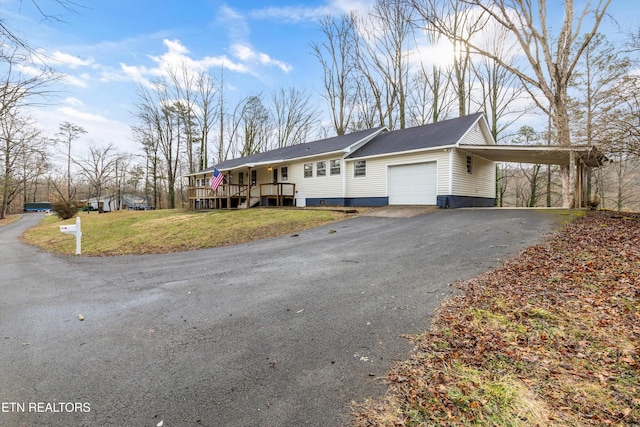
(599, 97)
(33, 164)
(157, 114)
(498, 87)
(67, 134)
(429, 96)
(458, 23)
(206, 114)
(16, 134)
(8, 36)
(550, 58)
(294, 117)
(181, 101)
(255, 125)
(620, 179)
(144, 134)
(383, 58)
(97, 167)
(336, 55)
(18, 90)
(528, 136)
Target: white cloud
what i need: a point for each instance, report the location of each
(267, 60)
(235, 23)
(101, 129)
(347, 6)
(177, 56)
(303, 13)
(247, 54)
(82, 116)
(78, 81)
(70, 60)
(73, 101)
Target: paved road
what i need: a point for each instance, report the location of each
(282, 332)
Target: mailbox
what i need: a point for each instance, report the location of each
(68, 229)
(75, 230)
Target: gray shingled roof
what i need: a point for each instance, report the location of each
(329, 145)
(446, 132)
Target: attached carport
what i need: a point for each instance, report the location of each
(578, 158)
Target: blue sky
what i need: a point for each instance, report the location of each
(110, 46)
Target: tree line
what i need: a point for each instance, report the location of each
(382, 67)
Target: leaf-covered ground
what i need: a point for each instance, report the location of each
(549, 339)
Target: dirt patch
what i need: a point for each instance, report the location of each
(399, 211)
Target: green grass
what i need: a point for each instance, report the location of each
(171, 230)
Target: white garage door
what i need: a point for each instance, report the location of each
(413, 184)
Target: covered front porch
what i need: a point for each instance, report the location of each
(239, 196)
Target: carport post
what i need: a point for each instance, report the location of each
(573, 183)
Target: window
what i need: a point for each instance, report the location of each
(360, 168)
(240, 178)
(254, 177)
(321, 168)
(308, 170)
(469, 164)
(284, 173)
(334, 167)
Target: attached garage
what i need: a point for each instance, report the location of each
(413, 184)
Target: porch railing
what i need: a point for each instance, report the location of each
(278, 191)
(271, 191)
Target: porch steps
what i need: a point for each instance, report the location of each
(253, 201)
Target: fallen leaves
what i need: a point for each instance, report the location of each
(550, 338)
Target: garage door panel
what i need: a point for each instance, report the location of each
(413, 184)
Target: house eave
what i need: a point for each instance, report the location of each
(396, 153)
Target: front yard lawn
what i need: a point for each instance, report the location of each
(171, 230)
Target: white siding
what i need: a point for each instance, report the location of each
(480, 183)
(375, 183)
(474, 136)
(317, 186)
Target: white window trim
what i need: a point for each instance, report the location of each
(339, 167)
(355, 169)
(304, 170)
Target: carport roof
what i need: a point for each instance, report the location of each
(552, 155)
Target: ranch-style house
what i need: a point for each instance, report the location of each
(450, 164)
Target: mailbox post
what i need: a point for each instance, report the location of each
(75, 230)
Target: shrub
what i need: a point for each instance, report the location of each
(66, 210)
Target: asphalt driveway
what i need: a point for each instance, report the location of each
(282, 332)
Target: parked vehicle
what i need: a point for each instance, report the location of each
(37, 207)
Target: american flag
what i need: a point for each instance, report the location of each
(216, 179)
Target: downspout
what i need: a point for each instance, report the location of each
(451, 172)
(248, 196)
(344, 181)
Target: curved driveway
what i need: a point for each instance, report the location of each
(281, 332)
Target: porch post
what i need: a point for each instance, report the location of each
(248, 199)
(579, 184)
